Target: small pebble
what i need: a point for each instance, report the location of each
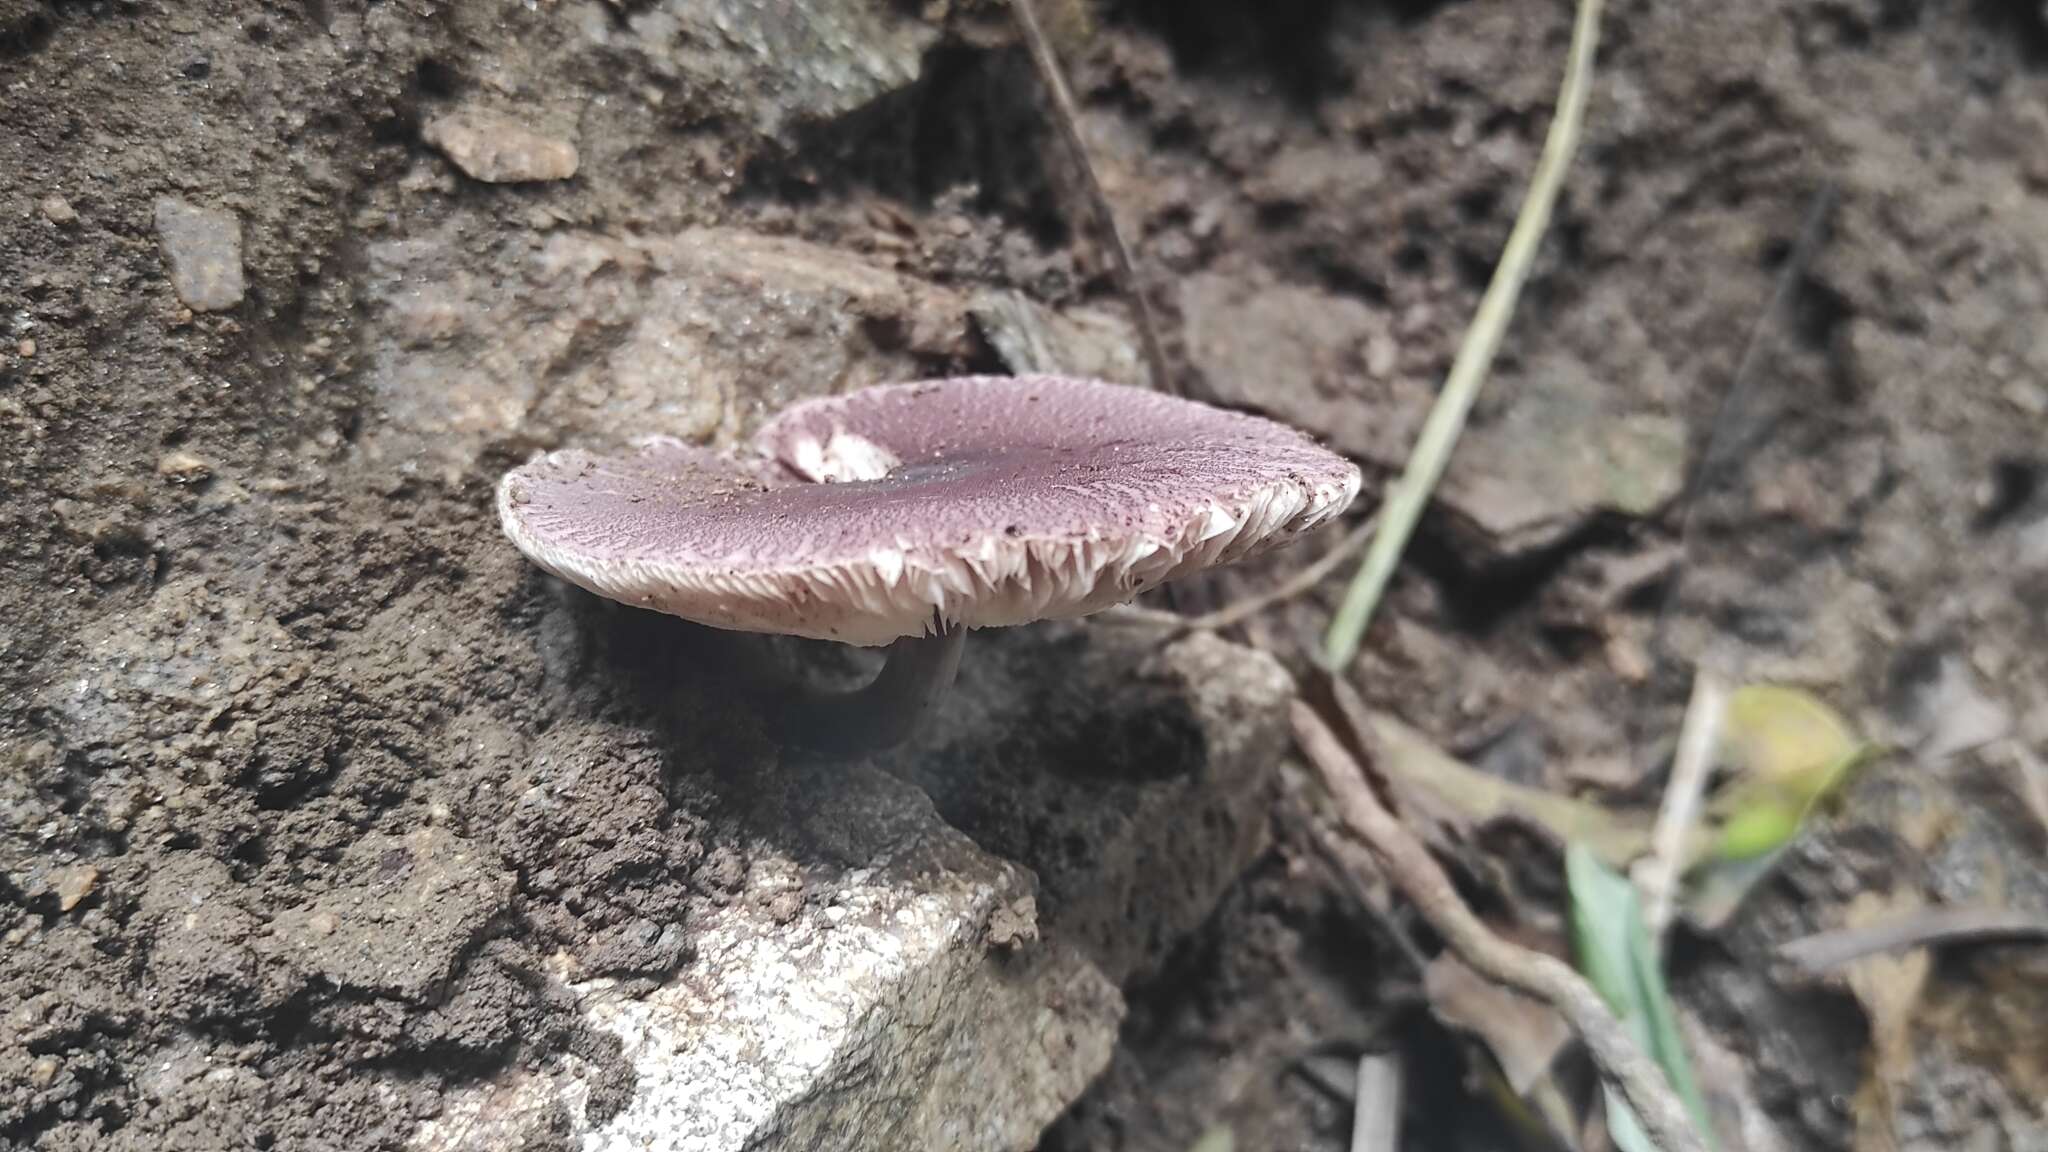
(58, 210)
(498, 149)
(75, 885)
(204, 247)
(323, 923)
(42, 1072)
(183, 467)
(27, 347)
(2028, 397)
(1382, 356)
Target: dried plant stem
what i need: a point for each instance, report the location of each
(1376, 1108)
(1825, 950)
(1657, 875)
(1409, 865)
(1068, 116)
(1403, 503)
(1300, 583)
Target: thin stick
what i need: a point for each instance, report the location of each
(1299, 584)
(1657, 875)
(1824, 950)
(1068, 115)
(1376, 1107)
(1547, 978)
(1402, 506)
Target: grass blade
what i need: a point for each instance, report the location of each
(1617, 956)
(1404, 501)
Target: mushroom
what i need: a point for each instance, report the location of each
(907, 514)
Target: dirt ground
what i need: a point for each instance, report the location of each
(265, 657)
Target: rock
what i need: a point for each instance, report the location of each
(871, 978)
(183, 467)
(779, 64)
(879, 1016)
(1563, 450)
(1029, 337)
(497, 149)
(435, 884)
(1134, 781)
(602, 338)
(58, 210)
(1307, 358)
(204, 247)
(75, 884)
(1014, 925)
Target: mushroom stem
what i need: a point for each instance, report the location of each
(886, 710)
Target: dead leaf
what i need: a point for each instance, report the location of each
(1889, 988)
(1431, 783)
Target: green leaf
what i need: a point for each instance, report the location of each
(1217, 1139)
(1615, 953)
(1787, 751)
(1786, 740)
(1757, 830)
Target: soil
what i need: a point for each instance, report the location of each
(305, 776)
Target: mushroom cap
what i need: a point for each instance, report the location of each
(978, 501)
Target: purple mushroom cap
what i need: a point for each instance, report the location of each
(892, 511)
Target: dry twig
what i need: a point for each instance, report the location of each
(1423, 881)
(1068, 116)
(1825, 950)
(1237, 612)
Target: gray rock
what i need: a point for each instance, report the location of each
(876, 1013)
(777, 64)
(1029, 337)
(878, 980)
(204, 247)
(598, 339)
(1307, 358)
(1563, 449)
(498, 149)
(59, 211)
